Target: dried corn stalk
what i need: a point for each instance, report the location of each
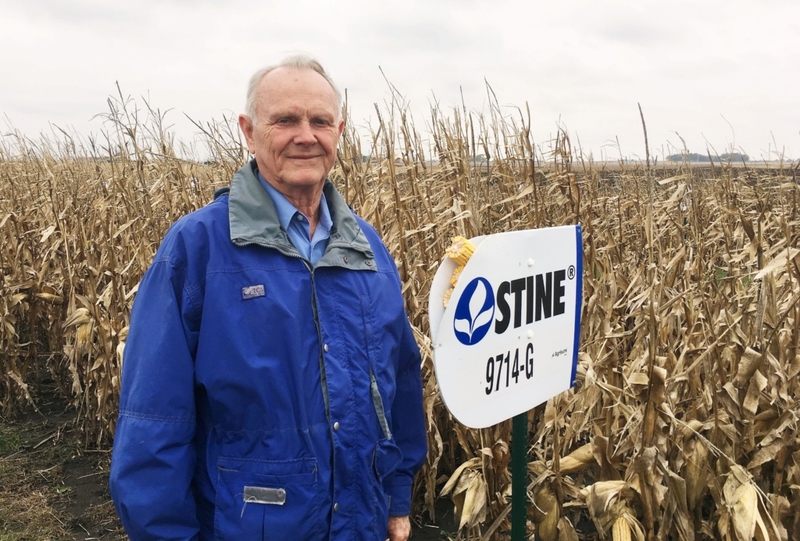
(687, 380)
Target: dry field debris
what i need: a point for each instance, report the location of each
(683, 423)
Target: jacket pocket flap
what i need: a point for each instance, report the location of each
(270, 473)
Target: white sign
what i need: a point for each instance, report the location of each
(508, 339)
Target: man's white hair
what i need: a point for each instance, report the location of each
(298, 62)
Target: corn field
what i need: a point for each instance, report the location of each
(683, 423)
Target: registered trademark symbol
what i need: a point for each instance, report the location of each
(571, 272)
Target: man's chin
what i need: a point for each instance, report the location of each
(300, 182)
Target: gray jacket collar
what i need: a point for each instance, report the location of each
(254, 220)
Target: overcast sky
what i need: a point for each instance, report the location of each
(724, 74)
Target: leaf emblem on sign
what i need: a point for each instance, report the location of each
(476, 306)
(474, 312)
(465, 326)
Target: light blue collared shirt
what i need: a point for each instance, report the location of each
(295, 223)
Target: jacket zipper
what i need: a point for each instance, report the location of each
(324, 384)
(296, 255)
(322, 373)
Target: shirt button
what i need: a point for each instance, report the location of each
(325, 348)
(300, 217)
(336, 425)
(335, 507)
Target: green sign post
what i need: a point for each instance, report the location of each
(519, 476)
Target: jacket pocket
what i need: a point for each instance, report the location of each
(267, 500)
(386, 457)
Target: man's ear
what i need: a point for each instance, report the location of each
(341, 127)
(246, 125)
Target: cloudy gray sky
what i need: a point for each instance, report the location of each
(716, 73)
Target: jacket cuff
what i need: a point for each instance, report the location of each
(400, 495)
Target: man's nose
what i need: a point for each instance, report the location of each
(305, 135)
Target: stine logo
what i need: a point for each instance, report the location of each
(474, 312)
(540, 296)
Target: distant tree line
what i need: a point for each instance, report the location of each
(695, 157)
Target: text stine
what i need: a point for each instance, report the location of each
(543, 298)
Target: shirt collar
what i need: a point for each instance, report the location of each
(287, 211)
(253, 219)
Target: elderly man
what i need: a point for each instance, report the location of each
(271, 384)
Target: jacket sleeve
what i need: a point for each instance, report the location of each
(408, 425)
(153, 458)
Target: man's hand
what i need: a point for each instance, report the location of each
(399, 528)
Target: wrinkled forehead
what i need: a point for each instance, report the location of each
(296, 88)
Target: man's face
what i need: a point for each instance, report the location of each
(297, 129)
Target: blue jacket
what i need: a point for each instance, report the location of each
(263, 398)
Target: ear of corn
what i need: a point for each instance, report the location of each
(546, 512)
(456, 275)
(460, 250)
(621, 531)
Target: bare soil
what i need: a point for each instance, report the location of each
(53, 488)
(50, 486)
